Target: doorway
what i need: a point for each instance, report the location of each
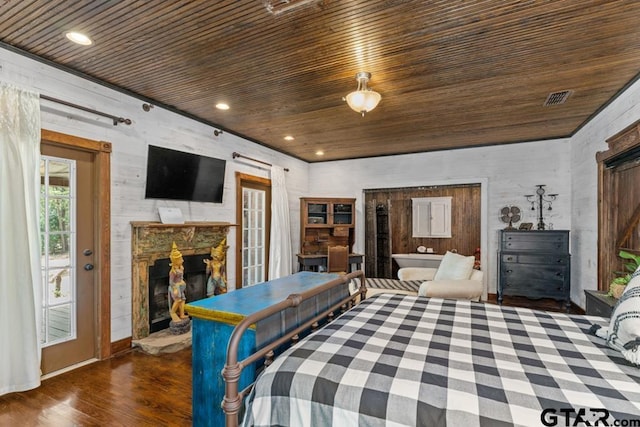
(389, 224)
(73, 258)
(253, 212)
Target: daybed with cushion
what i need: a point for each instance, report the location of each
(403, 360)
(454, 278)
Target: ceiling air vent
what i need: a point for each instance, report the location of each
(557, 98)
(280, 6)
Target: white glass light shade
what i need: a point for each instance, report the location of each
(363, 99)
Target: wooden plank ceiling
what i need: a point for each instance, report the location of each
(452, 74)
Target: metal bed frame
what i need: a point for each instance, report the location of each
(233, 398)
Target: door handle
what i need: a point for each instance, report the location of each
(87, 252)
(88, 267)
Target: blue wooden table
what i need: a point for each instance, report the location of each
(214, 318)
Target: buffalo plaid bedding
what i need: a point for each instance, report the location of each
(397, 360)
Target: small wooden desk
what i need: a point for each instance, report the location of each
(313, 262)
(213, 321)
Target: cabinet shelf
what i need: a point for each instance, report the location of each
(326, 222)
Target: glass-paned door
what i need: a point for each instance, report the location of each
(253, 236)
(58, 229)
(67, 230)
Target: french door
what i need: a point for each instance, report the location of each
(254, 221)
(67, 228)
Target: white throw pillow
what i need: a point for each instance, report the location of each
(623, 333)
(455, 267)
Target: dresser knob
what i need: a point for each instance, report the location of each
(509, 258)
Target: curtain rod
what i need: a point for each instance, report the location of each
(236, 154)
(115, 119)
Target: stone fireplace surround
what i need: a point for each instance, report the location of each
(152, 241)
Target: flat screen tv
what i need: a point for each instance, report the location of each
(176, 175)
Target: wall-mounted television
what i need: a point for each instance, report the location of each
(176, 175)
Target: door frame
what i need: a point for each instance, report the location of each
(242, 178)
(102, 185)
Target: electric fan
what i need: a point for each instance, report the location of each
(509, 215)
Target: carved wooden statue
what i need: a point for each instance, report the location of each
(177, 286)
(216, 269)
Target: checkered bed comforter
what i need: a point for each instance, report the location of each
(397, 360)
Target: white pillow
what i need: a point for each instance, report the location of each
(623, 333)
(455, 267)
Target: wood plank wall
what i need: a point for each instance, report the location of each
(465, 221)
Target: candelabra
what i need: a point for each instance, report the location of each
(543, 201)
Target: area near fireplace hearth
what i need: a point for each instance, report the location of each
(150, 245)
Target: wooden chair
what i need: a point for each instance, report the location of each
(338, 259)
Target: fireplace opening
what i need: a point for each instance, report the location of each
(194, 276)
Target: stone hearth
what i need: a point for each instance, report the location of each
(163, 342)
(151, 241)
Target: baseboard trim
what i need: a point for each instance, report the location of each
(121, 346)
(542, 304)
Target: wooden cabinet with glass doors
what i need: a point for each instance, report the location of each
(326, 222)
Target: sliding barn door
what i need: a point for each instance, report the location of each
(619, 202)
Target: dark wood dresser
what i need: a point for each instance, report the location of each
(599, 303)
(534, 264)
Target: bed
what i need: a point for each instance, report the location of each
(402, 360)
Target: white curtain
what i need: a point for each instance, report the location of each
(280, 245)
(20, 282)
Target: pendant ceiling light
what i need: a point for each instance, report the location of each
(363, 99)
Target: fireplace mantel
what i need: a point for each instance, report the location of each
(151, 241)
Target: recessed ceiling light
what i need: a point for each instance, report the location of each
(79, 38)
(222, 106)
(289, 138)
(319, 153)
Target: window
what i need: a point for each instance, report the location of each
(431, 217)
(57, 228)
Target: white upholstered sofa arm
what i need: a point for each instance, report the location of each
(456, 289)
(416, 273)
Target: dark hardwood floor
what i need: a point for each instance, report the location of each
(546, 304)
(132, 389)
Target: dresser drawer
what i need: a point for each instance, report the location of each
(539, 241)
(528, 272)
(535, 289)
(535, 280)
(526, 258)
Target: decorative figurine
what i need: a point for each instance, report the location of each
(216, 270)
(177, 297)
